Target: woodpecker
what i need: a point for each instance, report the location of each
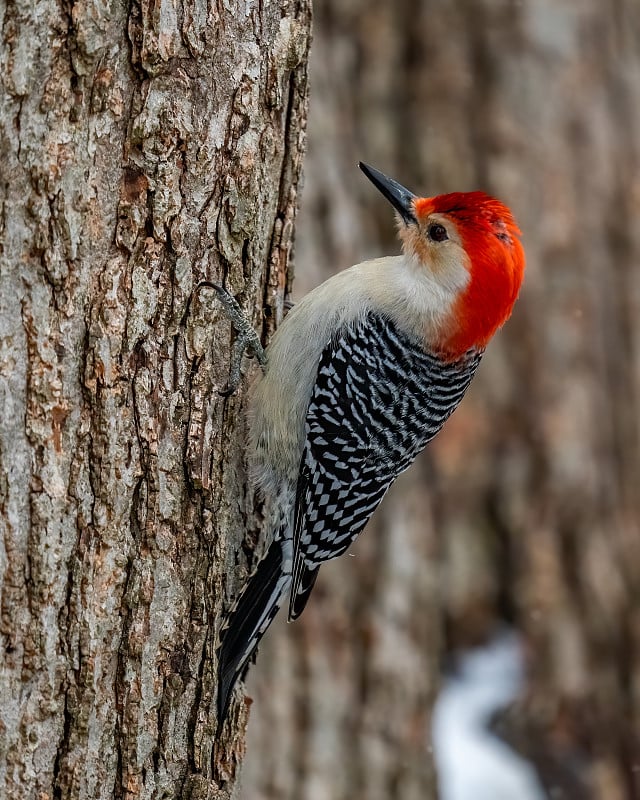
(360, 375)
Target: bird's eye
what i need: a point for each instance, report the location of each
(437, 232)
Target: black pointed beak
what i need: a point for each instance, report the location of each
(399, 197)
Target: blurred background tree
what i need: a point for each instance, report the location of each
(525, 510)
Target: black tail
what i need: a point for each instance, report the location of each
(248, 620)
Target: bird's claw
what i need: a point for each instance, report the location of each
(247, 341)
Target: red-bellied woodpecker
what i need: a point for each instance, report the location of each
(361, 374)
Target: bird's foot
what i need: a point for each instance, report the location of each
(247, 340)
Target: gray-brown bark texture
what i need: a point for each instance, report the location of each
(527, 506)
(143, 147)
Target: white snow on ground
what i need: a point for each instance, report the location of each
(472, 763)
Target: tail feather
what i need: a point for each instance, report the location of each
(249, 619)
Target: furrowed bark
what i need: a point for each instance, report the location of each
(144, 148)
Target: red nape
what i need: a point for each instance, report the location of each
(490, 237)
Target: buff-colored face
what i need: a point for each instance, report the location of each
(436, 245)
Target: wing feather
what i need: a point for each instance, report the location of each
(377, 400)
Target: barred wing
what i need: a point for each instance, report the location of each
(378, 399)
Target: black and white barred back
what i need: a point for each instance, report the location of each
(378, 399)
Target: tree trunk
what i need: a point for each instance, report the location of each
(527, 503)
(143, 150)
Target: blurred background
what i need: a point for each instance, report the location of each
(509, 555)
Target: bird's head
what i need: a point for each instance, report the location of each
(468, 243)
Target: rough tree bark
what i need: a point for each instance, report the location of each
(143, 148)
(529, 506)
